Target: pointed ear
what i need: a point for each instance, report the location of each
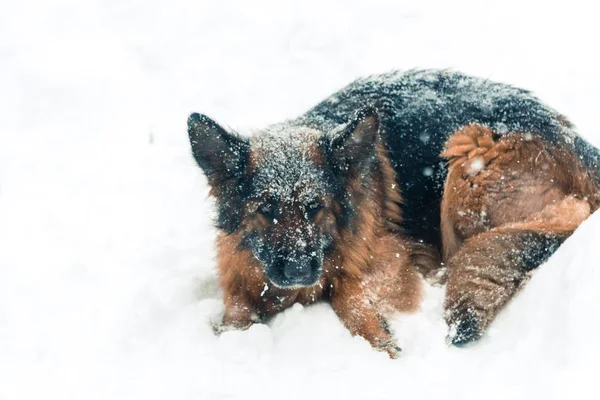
(221, 155)
(353, 146)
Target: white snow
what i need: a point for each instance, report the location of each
(427, 171)
(107, 284)
(476, 166)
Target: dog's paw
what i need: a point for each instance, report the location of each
(464, 327)
(220, 328)
(391, 347)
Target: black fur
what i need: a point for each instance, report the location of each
(223, 156)
(352, 148)
(420, 109)
(537, 248)
(466, 329)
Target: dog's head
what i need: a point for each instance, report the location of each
(290, 190)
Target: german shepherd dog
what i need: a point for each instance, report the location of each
(390, 178)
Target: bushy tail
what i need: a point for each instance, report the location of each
(471, 143)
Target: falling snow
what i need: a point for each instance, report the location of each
(475, 166)
(107, 283)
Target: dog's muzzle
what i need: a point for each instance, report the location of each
(296, 271)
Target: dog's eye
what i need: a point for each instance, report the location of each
(267, 209)
(313, 208)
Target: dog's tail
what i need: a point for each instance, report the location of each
(473, 143)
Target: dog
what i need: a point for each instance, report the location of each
(388, 181)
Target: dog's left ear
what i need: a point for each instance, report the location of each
(353, 146)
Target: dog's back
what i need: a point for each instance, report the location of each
(421, 109)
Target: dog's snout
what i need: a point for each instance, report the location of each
(296, 271)
(293, 270)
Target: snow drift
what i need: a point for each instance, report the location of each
(107, 288)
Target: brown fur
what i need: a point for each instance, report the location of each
(370, 273)
(504, 196)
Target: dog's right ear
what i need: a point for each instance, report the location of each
(221, 155)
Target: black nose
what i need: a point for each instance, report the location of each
(296, 271)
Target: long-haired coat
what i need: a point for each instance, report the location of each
(352, 200)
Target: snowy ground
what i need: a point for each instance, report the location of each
(107, 286)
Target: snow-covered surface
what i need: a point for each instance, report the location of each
(107, 288)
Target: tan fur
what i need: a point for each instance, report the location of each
(370, 274)
(392, 199)
(499, 194)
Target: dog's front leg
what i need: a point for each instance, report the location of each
(238, 313)
(360, 317)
